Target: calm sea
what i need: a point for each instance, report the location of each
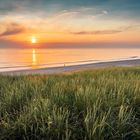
(17, 59)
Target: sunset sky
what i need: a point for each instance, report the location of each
(69, 22)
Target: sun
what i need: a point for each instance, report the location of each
(33, 40)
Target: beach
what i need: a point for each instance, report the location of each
(65, 68)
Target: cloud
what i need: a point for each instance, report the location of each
(105, 12)
(12, 29)
(107, 31)
(10, 7)
(97, 32)
(66, 13)
(80, 13)
(7, 7)
(120, 7)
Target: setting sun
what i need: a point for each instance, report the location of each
(33, 40)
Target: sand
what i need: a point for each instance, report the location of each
(54, 70)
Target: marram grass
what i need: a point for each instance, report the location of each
(102, 104)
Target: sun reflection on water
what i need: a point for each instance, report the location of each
(34, 60)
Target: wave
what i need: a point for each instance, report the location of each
(69, 63)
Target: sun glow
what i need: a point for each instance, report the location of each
(33, 40)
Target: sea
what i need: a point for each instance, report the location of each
(13, 59)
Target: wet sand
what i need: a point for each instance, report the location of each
(62, 69)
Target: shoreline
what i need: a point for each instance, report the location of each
(62, 69)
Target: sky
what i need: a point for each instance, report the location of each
(73, 22)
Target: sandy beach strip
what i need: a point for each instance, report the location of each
(62, 69)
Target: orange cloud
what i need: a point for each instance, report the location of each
(12, 29)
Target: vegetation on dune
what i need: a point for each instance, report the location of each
(101, 104)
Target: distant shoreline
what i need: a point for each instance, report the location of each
(62, 69)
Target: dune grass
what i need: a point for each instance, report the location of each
(102, 104)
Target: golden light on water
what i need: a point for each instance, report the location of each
(34, 62)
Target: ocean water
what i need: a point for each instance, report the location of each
(17, 59)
